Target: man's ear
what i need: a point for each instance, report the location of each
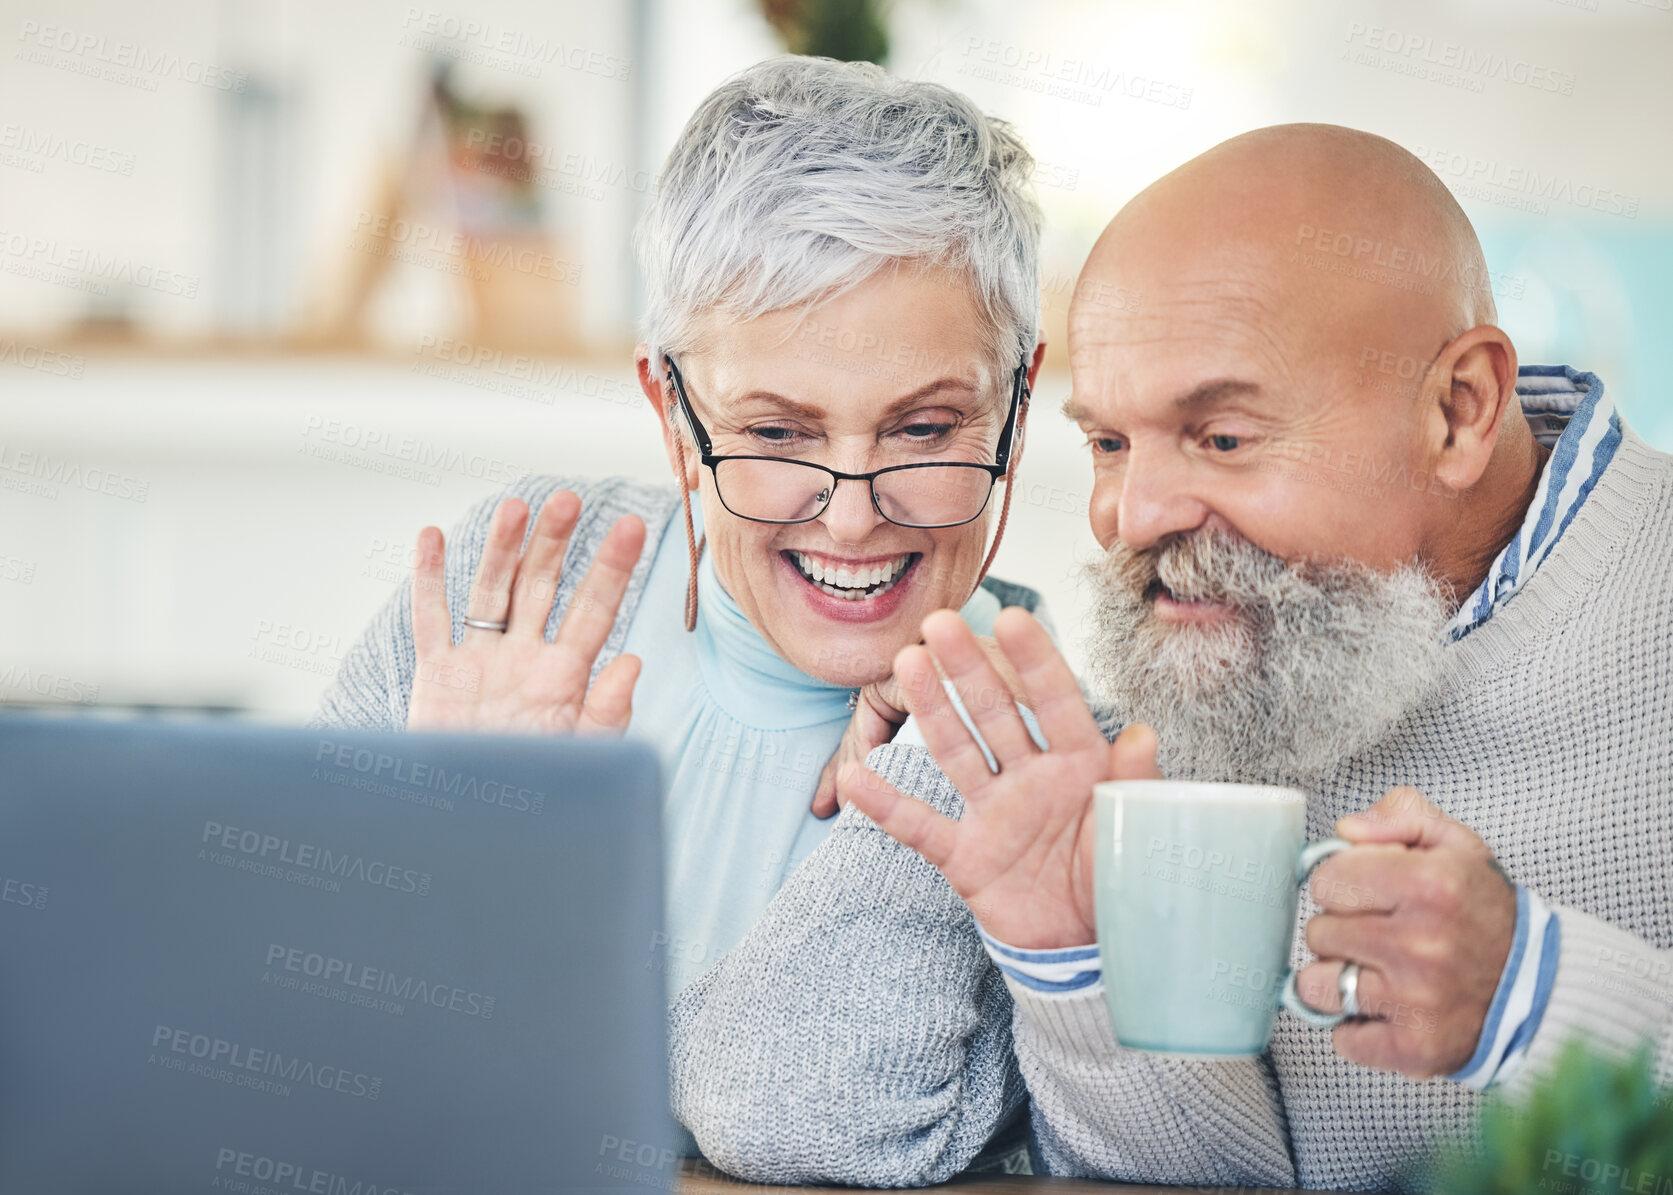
(654, 383)
(1473, 384)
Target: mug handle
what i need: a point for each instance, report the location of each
(1313, 854)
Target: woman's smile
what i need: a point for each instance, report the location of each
(850, 589)
(854, 579)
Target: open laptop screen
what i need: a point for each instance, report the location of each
(246, 959)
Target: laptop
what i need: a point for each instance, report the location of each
(255, 960)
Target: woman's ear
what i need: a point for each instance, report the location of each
(1019, 437)
(1036, 361)
(659, 391)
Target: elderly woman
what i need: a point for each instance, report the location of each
(842, 272)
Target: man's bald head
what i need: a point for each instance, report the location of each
(1339, 219)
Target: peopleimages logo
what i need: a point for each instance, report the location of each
(1478, 176)
(43, 254)
(22, 892)
(379, 765)
(46, 684)
(481, 365)
(328, 969)
(56, 471)
(427, 29)
(269, 849)
(234, 1167)
(1403, 267)
(41, 146)
(382, 451)
(219, 1052)
(47, 361)
(1599, 1176)
(539, 157)
(103, 57)
(422, 238)
(1468, 63)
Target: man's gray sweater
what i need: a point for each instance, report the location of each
(859, 1034)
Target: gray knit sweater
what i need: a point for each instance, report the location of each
(852, 1037)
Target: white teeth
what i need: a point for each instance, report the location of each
(852, 584)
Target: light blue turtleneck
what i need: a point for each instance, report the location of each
(743, 736)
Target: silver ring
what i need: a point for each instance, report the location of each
(485, 626)
(1347, 984)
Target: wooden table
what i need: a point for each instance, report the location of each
(699, 1178)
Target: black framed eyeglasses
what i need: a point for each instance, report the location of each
(771, 489)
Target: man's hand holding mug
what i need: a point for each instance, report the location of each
(1411, 896)
(1420, 904)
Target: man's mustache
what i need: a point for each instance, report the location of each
(1208, 564)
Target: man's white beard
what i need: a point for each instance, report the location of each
(1316, 664)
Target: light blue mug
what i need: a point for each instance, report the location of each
(1196, 891)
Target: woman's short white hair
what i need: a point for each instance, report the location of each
(801, 177)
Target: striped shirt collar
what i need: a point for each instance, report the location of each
(1570, 415)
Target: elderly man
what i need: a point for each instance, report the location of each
(1349, 546)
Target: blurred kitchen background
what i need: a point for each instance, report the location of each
(282, 281)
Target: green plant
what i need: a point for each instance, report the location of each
(848, 30)
(1593, 1127)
